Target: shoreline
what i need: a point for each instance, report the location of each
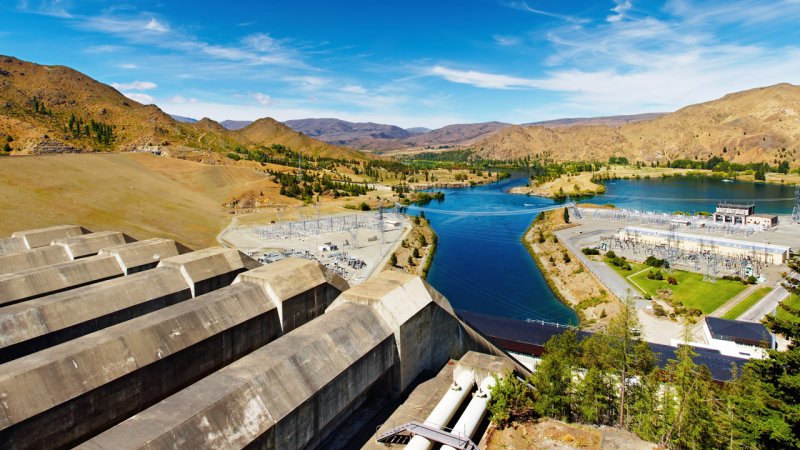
(566, 276)
(589, 184)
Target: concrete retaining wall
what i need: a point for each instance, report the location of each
(67, 393)
(90, 244)
(31, 259)
(29, 284)
(141, 255)
(208, 269)
(278, 397)
(426, 331)
(301, 289)
(44, 236)
(37, 324)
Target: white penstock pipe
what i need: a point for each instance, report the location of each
(474, 413)
(444, 411)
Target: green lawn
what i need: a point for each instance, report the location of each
(626, 273)
(691, 290)
(793, 301)
(747, 303)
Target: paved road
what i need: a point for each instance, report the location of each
(766, 305)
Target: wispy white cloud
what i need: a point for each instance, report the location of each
(135, 86)
(307, 82)
(103, 49)
(505, 40)
(523, 6)
(139, 97)
(128, 66)
(156, 26)
(354, 89)
(262, 99)
(637, 63)
(620, 9)
(481, 79)
(179, 99)
(54, 8)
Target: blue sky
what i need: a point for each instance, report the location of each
(413, 63)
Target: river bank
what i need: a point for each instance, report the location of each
(590, 183)
(566, 276)
(415, 253)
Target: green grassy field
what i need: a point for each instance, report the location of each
(793, 301)
(691, 291)
(626, 273)
(747, 303)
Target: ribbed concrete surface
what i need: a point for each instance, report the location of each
(37, 282)
(90, 244)
(426, 331)
(301, 288)
(13, 244)
(46, 321)
(31, 259)
(141, 255)
(208, 269)
(44, 236)
(279, 396)
(62, 394)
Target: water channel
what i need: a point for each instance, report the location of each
(482, 266)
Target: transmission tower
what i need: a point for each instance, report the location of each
(796, 209)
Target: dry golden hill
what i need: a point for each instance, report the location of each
(269, 131)
(52, 109)
(758, 125)
(139, 194)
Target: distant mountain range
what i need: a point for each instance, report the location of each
(757, 125)
(55, 109)
(52, 109)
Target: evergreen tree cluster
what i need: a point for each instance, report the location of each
(101, 132)
(307, 185)
(39, 107)
(611, 378)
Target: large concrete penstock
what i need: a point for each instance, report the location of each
(208, 269)
(427, 333)
(302, 289)
(45, 236)
(37, 324)
(33, 283)
(282, 396)
(141, 255)
(90, 244)
(65, 394)
(30, 259)
(13, 244)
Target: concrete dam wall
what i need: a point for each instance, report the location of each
(132, 345)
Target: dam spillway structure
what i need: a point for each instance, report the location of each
(108, 342)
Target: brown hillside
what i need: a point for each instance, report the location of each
(269, 131)
(137, 193)
(751, 126)
(65, 92)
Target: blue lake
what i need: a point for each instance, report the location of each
(692, 194)
(481, 264)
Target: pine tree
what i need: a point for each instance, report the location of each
(553, 376)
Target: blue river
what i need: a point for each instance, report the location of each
(481, 265)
